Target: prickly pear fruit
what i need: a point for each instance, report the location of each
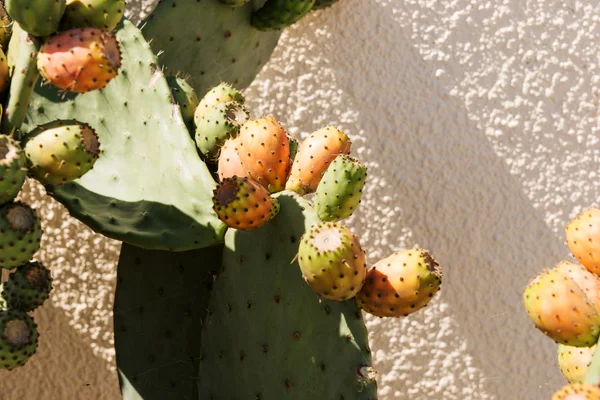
(28, 287)
(340, 189)
(185, 97)
(223, 93)
(587, 281)
(213, 128)
(234, 3)
(13, 168)
(577, 391)
(574, 361)
(61, 151)
(80, 60)
(319, 4)
(265, 152)
(4, 73)
(18, 338)
(314, 155)
(561, 309)
(583, 239)
(102, 14)
(332, 261)
(293, 148)
(229, 160)
(5, 27)
(400, 284)
(277, 14)
(40, 18)
(21, 234)
(243, 203)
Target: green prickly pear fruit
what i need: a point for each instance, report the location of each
(215, 126)
(185, 96)
(61, 151)
(21, 234)
(224, 93)
(80, 60)
(102, 14)
(340, 189)
(400, 284)
(314, 155)
(5, 27)
(13, 168)
(577, 391)
(28, 287)
(234, 3)
(243, 204)
(561, 309)
(332, 261)
(583, 239)
(229, 160)
(265, 152)
(320, 4)
(574, 362)
(18, 338)
(277, 14)
(293, 148)
(39, 18)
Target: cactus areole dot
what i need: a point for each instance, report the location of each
(17, 332)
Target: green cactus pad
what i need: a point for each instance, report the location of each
(13, 169)
(185, 97)
(18, 338)
(320, 4)
(149, 187)
(38, 17)
(102, 14)
(61, 151)
(219, 46)
(234, 3)
(160, 304)
(219, 123)
(268, 336)
(340, 189)
(28, 287)
(277, 14)
(21, 234)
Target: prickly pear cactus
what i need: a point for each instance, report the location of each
(262, 316)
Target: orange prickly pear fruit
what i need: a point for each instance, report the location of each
(574, 362)
(561, 309)
(313, 157)
(583, 238)
(265, 152)
(588, 282)
(242, 203)
(577, 391)
(80, 60)
(229, 160)
(400, 284)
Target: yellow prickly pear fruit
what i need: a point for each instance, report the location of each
(577, 391)
(575, 361)
(583, 239)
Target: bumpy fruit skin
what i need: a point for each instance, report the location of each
(229, 160)
(242, 203)
(400, 284)
(213, 128)
(21, 234)
(561, 309)
(223, 93)
(39, 18)
(577, 391)
(583, 239)
(587, 281)
(332, 261)
(340, 189)
(13, 168)
(574, 362)
(314, 155)
(277, 14)
(28, 287)
(102, 14)
(265, 152)
(61, 151)
(185, 96)
(4, 74)
(18, 338)
(80, 60)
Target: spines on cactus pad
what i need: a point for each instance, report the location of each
(149, 187)
(263, 314)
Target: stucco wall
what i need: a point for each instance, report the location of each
(478, 120)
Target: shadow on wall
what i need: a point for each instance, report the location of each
(435, 181)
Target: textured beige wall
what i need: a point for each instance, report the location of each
(478, 120)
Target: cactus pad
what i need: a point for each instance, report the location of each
(277, 14)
